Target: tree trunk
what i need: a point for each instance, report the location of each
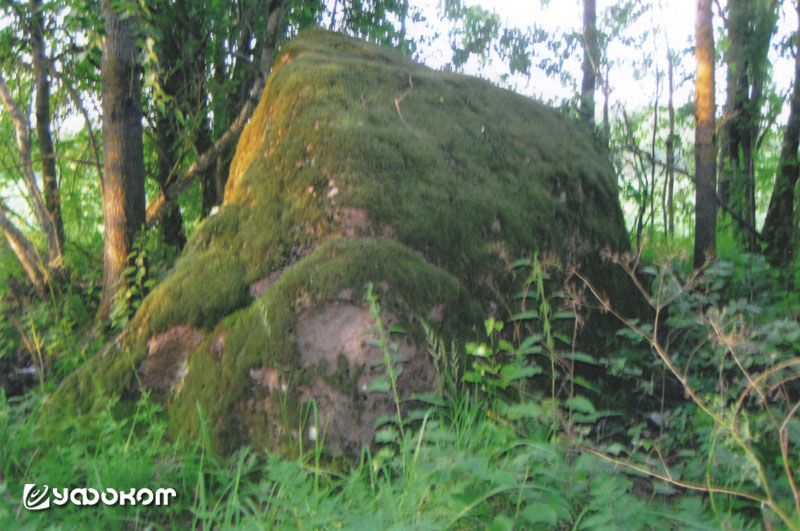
(274, 30)
(737, 121)
(590, 60)
(606, 94)
(176, 83)
(211, 195)
(779, 227)
(750, 26)
(653, 154)
(25, 252)
(47, 210)
(43, 217)
(123, 187)
(52, 196)
(705, 236)
(734, 101)
(670, 145)
(172, 221)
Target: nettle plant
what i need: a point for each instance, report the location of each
(727, 338)
(489, 445)
(536, 348)
(140, 276)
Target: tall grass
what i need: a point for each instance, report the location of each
(513, 437)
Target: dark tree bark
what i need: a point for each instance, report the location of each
(606, 122)
(211, 195)
(705, 235)
(123, 186)
(52, 196)
(168, 156)
(590, 61)
(750, 25)
(176, 82)
(779, 227)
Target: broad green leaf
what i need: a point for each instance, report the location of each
(386, 435)
(562, 337)
(384, 419)
(530, 341)
(472, 377)
(505, 346)
(614, 448)
(597, 521)
(501, 522)
(514, 371)
(582, 357)
(540, 514)
(585, 384)
(379, 385)
(482, 351)
(524, 316)
(582, 404)
(429, 398)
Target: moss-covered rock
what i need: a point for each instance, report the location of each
(359, 166)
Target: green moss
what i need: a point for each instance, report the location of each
(204, 286)
(262, 335)
(462, 176)
(462, 155)
(465, 166)
(111, 374)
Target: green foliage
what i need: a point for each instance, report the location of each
(523, 427)
(391, 357)
(446, 465)
(507, 457)
(728, 341)
(109, 452)
(133, 287)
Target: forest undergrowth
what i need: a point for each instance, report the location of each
(686, 418)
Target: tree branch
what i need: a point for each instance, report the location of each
(24, 250)
(22, 129)
(723, 205)
(274, 23)
(76, 100)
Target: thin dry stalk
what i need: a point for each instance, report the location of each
(657, 303)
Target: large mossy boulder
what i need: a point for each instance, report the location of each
(358, 167)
